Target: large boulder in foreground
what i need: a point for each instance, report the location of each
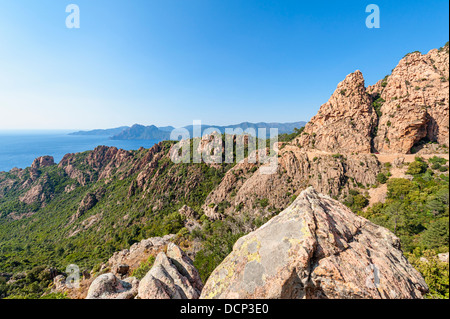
(316, 248)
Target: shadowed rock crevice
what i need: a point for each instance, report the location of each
(293, 288)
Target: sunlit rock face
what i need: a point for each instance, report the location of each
(316, 248)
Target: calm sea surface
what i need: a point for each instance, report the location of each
(19, 149)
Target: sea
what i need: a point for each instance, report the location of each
(20, 148)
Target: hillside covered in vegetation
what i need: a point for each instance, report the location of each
(356, 150)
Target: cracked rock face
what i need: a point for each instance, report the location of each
(173, 276)
(416, 103)
(297, 169)
(316, 249)
(345, 123)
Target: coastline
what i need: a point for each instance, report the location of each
(20, 148)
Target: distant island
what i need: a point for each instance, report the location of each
(152, 132)
(107, 132)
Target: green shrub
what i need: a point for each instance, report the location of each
(417, 167)
(436, 166)
(398, 187)
(381, 178)
(143, 268)
(435, 273)
(443, 168)
(439, 160)
(437, 234)
(289, 137)
(56, 295)
(217, 245)
(359, 202)
(264, 202)
(377, 104)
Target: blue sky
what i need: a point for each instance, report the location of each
(169, 62)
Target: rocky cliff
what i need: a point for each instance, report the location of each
(345, 123)
(415, 101)
(316, 249)
(332, 174)
(408, 108)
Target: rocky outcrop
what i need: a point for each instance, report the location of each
(173, 276)
(6, 184)
(59, 283)
(244, 188)
(40, 188)
(317, 248)
(43, 161)
(108, 286)
(408, 108)
(35, 194)
(191, 218)
(114, 279)
(122, 270)
(415, 100)
(345, 123)
(188, 212)
(137, 254)
(103, 161)
(443, 257)
(88, 202)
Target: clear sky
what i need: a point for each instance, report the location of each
(169, 62)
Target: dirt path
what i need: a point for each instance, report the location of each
(389, 158)
(378, 194)
(382, 158)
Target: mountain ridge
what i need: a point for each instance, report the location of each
(140, 132)
(107, 132)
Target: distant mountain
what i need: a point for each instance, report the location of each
(107, 132)
(152, 132)
(140, 132)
